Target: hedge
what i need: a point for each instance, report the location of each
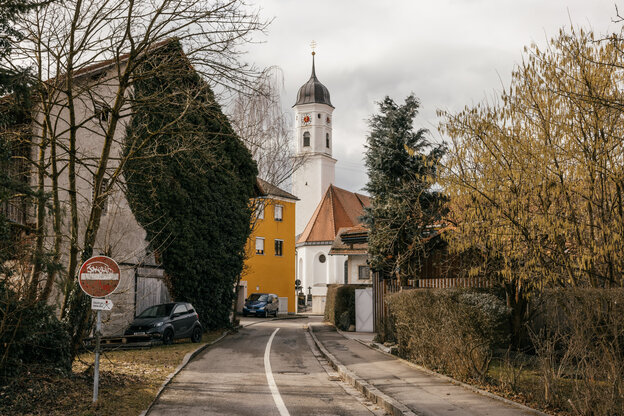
(340, 305)
(454, 331)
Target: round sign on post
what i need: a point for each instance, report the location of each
(99, 276)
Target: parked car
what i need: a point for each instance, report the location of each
(261, 304)
(168, 321)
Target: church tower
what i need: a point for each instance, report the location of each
(314, 144)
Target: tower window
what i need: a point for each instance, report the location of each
(319, 115)
(306, 139)
(327, 140)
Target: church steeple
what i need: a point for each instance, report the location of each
(313, 91)
(314, 142)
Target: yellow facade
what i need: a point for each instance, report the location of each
(268, 271)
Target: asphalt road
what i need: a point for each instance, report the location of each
(268, 368)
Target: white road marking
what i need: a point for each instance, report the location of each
(269, 375)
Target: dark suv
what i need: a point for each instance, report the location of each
(168, 321)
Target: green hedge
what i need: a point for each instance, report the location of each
(340, 305)
(450, 330)
(30, 335)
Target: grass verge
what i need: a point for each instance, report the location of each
(129, 381)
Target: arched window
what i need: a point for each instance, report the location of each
(327, 140)
(306, 139)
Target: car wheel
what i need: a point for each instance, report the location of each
(167, 337)
(196, 336)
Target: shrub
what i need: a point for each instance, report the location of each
(453, 331)
(30, 334)
(340, 305)
(578, 336)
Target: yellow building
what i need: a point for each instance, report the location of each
(270, 264)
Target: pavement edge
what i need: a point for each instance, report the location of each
(389, 404)
(187, 358)
(453, 381)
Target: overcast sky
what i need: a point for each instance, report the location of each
(450, 53)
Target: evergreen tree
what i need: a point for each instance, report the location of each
(404, 204)
(190, 185)
(14, 88)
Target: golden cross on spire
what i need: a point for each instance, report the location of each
(313, 46)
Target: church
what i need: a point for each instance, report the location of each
(323, 209)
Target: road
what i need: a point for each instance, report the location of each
(267, 368)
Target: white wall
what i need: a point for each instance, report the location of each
(354, 263)
(316, 274)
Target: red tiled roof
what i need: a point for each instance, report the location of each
(338, 209)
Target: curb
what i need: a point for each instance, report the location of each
(279, 318)
(389, 404)
(188, 357)
(454, 381)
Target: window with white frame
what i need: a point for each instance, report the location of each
(363, 272)
(259, 245)
(260, 210)
(278, 212)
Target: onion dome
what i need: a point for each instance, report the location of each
(313, 91)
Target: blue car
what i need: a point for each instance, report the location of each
(261, 304)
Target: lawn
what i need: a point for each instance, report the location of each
(129, 382)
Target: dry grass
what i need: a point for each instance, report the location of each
(129, 381)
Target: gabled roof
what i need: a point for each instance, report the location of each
(264, 188)
(338, 209)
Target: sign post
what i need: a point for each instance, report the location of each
(98, 277)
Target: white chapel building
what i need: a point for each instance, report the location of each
(323, 209)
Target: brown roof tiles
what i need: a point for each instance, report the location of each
(338, 209)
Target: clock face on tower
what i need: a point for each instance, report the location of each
(306, 119)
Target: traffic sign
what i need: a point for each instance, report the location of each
(99, 276)
(98, 304)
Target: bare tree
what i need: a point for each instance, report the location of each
(86, 57)
(259, 121)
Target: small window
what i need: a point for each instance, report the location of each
(327, 140)
(101, 111)
(363, 272)
(260, 210)
(322, 258)
(278, 212)
(306, 139)
(319, 115)
(259, 245)
(279, 247)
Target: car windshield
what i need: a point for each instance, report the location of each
(258, 297)
(157, 311)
